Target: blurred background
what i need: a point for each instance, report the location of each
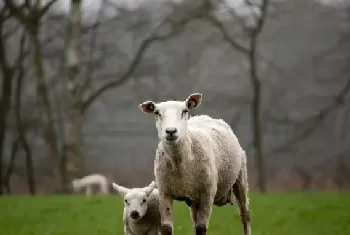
(74, 72)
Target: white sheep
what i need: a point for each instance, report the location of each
(198, 160)
(141, 211)
(89, 181)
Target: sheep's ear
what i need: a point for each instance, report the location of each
(147, 107)
(194, 100)
(148, 190)
(120, 189)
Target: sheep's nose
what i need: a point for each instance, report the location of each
(134, 215)
(171, 131)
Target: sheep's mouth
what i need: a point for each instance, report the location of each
(171, 138)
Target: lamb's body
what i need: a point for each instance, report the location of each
(149, 224)
(198, 160)
(89, 181)
(141, 210)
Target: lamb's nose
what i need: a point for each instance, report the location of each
(171, 131)
(134, 214)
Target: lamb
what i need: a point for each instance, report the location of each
(141, 211)
(198, 160)
(89, 181)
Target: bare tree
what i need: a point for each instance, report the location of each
(29, 16)
(75, 92)
(252, 54)
(5, 99)
(23, 126)
(9, 170)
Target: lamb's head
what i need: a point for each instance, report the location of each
(171, 116)
(76, 185)
(135, 200)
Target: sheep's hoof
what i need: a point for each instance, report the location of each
(166, 229)
(201, 230)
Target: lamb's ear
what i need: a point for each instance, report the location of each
(148, 190)
(147, 107)
(194, 100)
(120, 189)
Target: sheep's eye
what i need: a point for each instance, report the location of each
(126, 201)
(184, 111)
(157, 113)
(143, 201)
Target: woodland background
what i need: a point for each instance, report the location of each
(74, 72)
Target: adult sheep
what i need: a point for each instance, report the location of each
(198, 160)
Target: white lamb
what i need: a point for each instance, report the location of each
(141, 211)
(198, 160)
(89, 181)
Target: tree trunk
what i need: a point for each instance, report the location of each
(9, 169)
(5, 100)
(44, 107)
(22, 129)
(256, 114)
(74, 156)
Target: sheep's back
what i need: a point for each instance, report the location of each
(224, 146)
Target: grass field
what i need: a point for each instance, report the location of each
(287, 214)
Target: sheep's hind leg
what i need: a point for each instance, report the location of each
(240, 190)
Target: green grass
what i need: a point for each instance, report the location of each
(277, 213)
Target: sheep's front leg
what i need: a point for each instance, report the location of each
(166, 214)
(204, 210)
(193, 212)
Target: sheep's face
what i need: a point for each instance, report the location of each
(171, 116)
(135, 200)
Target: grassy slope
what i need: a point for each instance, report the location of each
(287, 214)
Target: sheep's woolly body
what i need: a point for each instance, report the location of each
(198, 160)
(209, 157)
(149, 224)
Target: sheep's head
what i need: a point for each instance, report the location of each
(135, 200)
(171, 116)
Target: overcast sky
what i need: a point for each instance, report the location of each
(92, 7)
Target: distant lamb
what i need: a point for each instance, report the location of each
(198, 160)
(141, 211)
(89, 181)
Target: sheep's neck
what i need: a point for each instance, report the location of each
(178, 151)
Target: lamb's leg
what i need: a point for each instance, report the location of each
(88, 191)
(127, 231)
(166, 214)
(152, 231)
(204, 209)
(240, 190)
(104, 188)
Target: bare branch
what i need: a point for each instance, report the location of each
(313, 122)
(215, 22)
(145, 44)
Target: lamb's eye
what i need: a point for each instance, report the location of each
(126, 201)
(143, 201)
(184, 111)
(156, 113)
